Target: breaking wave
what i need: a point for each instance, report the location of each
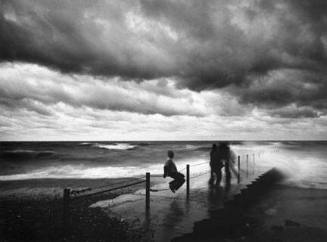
(89, 172)
(82, 172)
(85, 143)
(116, 146)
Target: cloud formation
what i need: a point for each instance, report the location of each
(34, 88)
(206, 44)
(257, 59)
(285, 87)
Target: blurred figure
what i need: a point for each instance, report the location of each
(221, 156)
(228, 158)
(215, 164)
(171, 171)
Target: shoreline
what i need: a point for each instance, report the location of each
(285, 213)
(32, 210)
(51, 188)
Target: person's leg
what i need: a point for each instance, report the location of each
(172, 185)
(181, 176)
(212, 178)
(227, 174)
(218, 175)
(177, 182)
(180, 179)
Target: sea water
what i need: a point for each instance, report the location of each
(304, 162)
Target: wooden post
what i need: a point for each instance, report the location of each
(247, 165)
(187, 180)
(239, 169)
(66, 210)
(147, 190)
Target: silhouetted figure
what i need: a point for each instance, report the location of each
(221, 156)
(227, 157)
(171, 171)
(215, 164)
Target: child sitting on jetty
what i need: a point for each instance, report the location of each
(171, 171)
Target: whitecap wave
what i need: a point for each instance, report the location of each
(20, 151)
(87, 172)
(116, 146)
(76, 171)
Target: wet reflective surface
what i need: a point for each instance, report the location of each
(172, 214)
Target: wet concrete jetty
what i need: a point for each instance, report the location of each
(230, 221)
(174, 216)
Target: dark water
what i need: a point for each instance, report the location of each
(304, 161)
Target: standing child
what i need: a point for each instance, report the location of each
(171, 171)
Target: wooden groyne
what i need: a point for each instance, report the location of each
(230, 221)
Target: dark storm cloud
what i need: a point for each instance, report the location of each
(284, 87)
(84, 37)
(203, 44)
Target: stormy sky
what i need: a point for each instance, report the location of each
(163, 69)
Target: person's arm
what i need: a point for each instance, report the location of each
(165, 171)
(173, 168)
(167, 168)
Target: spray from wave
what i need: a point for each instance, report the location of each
(303, 168)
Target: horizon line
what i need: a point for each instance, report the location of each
(191, 140)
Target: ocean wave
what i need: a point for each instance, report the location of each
(116, 146)
(204, 148)
(88, 172)
(23, 154)
(80, 172)
(190, 147)
(85, 143)
(20, 151)
(143, 144)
